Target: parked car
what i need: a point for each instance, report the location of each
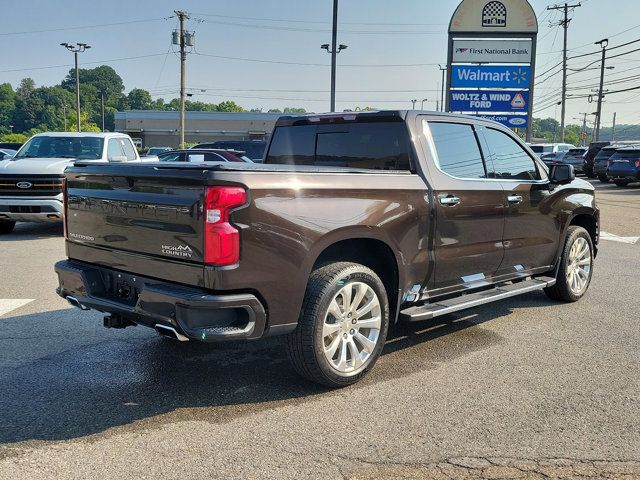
(541, 149)
(592, 151)
(353, 222)
(11, 145)
(552, 158)
(624, 166)
(254, 149)
(575, 157)
(202, 155)
(601, 162)
(155, 151)
(7, 153)
(31, 181)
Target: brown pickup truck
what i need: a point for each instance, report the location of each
(353, 222)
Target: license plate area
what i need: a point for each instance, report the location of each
(121, 287)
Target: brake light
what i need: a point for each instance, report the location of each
(637, 163)
(221, 239)
(65, 207)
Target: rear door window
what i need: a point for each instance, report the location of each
(128, 148)
(114, 148)
(458, 153)
(507, 159)
(375, 146)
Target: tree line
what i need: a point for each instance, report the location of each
(29, 109)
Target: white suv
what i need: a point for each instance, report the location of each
(31, 181)
(541, 149)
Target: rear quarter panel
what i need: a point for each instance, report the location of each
(292, 217)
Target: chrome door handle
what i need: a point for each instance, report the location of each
(514, 198)
(448, 200)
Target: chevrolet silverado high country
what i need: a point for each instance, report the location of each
(31, 181)
(355, 221)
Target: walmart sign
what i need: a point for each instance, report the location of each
(489, 76)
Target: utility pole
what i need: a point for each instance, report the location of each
(77, 48)
(603, 44)
(583, 131)
(613, 130)
(333, 49)
(102, 106)
(182, 16)
(64, 114)
(442, 69)
(565, 24)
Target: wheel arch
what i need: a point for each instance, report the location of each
(369, 248)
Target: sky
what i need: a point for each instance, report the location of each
(266, 53)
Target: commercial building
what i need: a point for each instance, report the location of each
(155, 128)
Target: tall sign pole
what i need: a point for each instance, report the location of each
(491, 61)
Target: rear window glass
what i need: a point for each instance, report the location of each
(542, 148)
(626, 154)
(458, 153)
(576, 151)
(605, 153)
(376, 146)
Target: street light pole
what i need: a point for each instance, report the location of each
(102, 107)
(413, 103)
(333, 49)
(77, 48)
(422, 103)
(442, 69)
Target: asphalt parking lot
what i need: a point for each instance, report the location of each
(525, 388)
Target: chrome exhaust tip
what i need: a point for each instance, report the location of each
(170, 332)
(73, 301)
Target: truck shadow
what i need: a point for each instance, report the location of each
(106, 381)
(34, 231)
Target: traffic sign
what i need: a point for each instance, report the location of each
(488, 101)
(490, 76)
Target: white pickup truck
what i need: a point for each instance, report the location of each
(31, 182)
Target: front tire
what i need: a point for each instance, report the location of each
(576, 267)
(342, 327)
(621, 183)
(6, 226)
(603, 178)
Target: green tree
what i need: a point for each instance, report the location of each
(7, 107)
(275, 110)
(14, 138)
(139, 99)
(229, 106)
(294, 110)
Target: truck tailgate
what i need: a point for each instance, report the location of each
(143, 209)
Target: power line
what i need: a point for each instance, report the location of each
(81, 27)
(85, 63)
(290, 20)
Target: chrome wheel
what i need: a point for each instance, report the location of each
(579, 266)
(351, 327)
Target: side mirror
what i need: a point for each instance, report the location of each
(118, 158)
(562, 174)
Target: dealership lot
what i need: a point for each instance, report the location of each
(525, 387)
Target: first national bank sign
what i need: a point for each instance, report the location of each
(492, 46)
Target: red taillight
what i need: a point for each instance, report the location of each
(637, 163)
(221, 239)
(65, 207)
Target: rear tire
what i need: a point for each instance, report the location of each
(342, 326)
(603, 178)
(576, 267)
(621, 183)
(6, 226)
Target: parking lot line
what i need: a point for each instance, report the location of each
(9, 304)
(616, 238)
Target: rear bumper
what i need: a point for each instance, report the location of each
(32, 209)
(192, 312)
